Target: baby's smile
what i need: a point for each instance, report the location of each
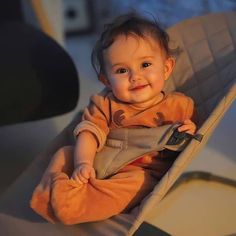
(138, 87)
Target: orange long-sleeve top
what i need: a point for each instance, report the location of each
(105, 112)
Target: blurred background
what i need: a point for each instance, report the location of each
(75, 26)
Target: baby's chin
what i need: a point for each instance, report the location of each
(139, 100)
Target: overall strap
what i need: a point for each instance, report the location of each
(126, 145)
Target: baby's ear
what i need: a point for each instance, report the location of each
(169, 66)
(104, 80)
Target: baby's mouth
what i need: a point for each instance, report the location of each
(138, 87)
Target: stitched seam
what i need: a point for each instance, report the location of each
(194, 72)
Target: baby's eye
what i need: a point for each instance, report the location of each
(121, 71)
(146, 64)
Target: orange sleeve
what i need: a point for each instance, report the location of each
(189, 109)
(98, 112)
(96, 118)
(177, 107)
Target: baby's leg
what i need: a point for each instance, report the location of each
(99, 199)
(62, 161)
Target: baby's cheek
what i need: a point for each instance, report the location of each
(119, 87)
(120, 95)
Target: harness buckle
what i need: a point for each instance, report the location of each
(179, 137)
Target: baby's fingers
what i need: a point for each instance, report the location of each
(84, 175)
(88, 173)
(187, 128)
(78, 178)
(83, 179)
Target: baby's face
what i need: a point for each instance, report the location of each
(136, 70)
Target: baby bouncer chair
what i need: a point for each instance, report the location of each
(207, 60)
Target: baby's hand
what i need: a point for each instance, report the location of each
(83, 173)
(188, 126)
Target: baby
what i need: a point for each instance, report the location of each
(133, 60)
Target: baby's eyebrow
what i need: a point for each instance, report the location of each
(117, 64)
(147, 57)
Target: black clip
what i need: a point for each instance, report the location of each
(178, 137)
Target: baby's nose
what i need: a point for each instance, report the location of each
(135, 76)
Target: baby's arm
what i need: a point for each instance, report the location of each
(85, 150)
(91, 135)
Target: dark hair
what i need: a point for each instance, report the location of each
(126, 25)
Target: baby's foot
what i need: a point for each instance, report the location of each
(64, 193)
(40, 203)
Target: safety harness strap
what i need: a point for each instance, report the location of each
(126, 145)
